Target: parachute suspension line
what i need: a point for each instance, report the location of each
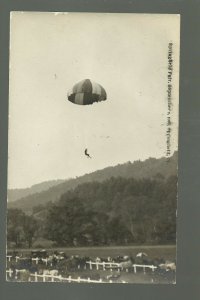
(85, 138)
(86, 92)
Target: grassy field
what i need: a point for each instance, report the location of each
(167, 252)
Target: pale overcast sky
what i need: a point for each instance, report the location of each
(126, 54)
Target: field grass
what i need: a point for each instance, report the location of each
(167, 252)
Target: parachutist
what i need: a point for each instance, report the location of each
(87, 154)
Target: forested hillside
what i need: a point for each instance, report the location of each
(15, 194)
(151, 168)
(117, 211)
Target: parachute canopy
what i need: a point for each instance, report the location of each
(87, 92)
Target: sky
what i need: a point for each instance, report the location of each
(126, 53)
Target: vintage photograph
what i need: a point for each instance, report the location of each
(93, 147)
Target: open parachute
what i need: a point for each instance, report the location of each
(87, 92)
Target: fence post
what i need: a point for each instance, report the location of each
(60, 277)
(88, 279)
(85, 267)
(110, 281)
(97, 265)
(100, 280)
(37, 259)
(135, 269)
(104, 266)
(79, 266)
(10, 272)
(69, 278)
(79, 279)
(90, 265)
(144, 270)
(111, 267)
(16, 272)
(52, 279)
(36, 278)
(44, 278)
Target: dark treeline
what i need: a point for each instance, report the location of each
(117, 211)
(21, 228)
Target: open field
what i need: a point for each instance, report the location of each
(168, 252)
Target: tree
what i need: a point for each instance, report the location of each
(116, 211)
(30, 228)
(15, 232)
(63, 222)
(20, 227)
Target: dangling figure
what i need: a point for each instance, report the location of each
(87, 154)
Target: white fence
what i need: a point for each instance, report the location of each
(144, 267)
(51, 278)
(103, 264)
(118, 266)
(9, 273)
(69, 279)
(40, 259)
(9, 257)
(37, 259)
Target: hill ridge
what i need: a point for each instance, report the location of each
(149, 168)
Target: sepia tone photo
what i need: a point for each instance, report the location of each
(93, 147)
